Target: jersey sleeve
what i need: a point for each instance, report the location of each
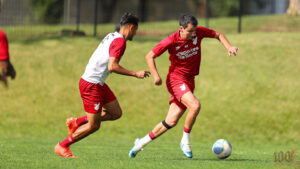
(209, 33)
(4, 55)
(117, 48)
(162, 46)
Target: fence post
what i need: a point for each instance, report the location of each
(207, 13)
(78, 15)
(95, 17)
(240, 16)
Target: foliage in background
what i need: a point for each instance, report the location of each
(47, 11)
(230, 7)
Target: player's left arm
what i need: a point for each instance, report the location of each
(230, 49)
(113, 66)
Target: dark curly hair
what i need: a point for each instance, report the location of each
(129, 18)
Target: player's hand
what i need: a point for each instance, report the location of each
(232, 50)
(157, 81)
(142, 74)
(7, 69)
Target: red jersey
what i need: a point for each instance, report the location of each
(185, 56)
(4, 55)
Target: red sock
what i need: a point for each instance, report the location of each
(151, 135)
(81, 120)
(187, 130)
(67, 142)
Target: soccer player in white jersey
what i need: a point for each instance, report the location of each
(95, 94)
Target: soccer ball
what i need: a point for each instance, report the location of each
(222, 148)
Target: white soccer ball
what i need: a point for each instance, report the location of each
(222, 148)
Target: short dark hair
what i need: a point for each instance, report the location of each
(186, 19)
(129, 18)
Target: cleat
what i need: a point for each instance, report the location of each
(72, 125)
(136, 148)
(63, 151)
(186, 150)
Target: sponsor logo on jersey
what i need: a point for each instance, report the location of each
(188, 53)
(178, 47)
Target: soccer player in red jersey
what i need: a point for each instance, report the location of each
(184, 47)
(93, 89)
(6, 67)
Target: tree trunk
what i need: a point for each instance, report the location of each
(294, 7)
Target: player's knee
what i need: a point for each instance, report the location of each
(172, 123)
(117, 115)
(195, 106)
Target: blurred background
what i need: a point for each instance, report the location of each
(77, 14)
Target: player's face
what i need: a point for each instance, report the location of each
(189, 32)
(132, 31)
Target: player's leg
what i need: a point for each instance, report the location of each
(193, 105)
(174, 114)
(83, 131)
(73, 123)
(93, 124)
(92, 96)
(112, 111)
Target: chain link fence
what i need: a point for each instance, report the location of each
(18, 17)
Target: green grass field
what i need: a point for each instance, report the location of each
(251, 99)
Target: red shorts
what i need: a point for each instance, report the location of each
(94, 96)
(177, 87)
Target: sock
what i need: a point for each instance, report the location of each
(186, 136)
(67, 142)
(151, 135)
(187, 130)
(81, 120)
(147, 139)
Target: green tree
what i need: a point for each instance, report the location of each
(47, 11)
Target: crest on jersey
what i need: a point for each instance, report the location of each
(182, 87)
(97, 106)
(195, 40)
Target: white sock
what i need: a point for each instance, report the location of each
(185, 138)
(145, 140)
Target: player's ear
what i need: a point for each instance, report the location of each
(131, 27)
(181, 28)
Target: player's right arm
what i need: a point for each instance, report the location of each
(152, 66)
(159, 49)
(113, 66)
